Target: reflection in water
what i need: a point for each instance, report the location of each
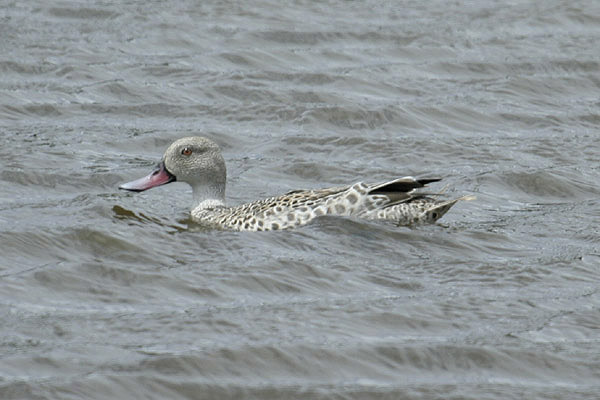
(128, 215)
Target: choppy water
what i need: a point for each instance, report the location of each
(106, 294)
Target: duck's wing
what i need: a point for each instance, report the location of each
(401, 189)
(376, 195)
(316, 192)
(405, 184)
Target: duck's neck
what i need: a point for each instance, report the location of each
(208, 196)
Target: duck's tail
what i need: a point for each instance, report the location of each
(436, 211)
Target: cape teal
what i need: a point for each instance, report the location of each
(198, 162)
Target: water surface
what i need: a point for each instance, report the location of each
(106, 294)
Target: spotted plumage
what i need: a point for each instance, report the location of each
(198, 161)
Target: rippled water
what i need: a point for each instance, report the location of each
(106, 294)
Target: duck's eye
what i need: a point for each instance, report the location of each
(186, 151)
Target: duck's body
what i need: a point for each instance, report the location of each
(300, 207)
(198, 161)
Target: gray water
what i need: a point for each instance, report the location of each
(112, 295)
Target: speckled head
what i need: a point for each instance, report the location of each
(195, 160)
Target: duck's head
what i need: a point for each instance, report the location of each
(195, 160)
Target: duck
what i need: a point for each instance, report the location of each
(198, 161)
